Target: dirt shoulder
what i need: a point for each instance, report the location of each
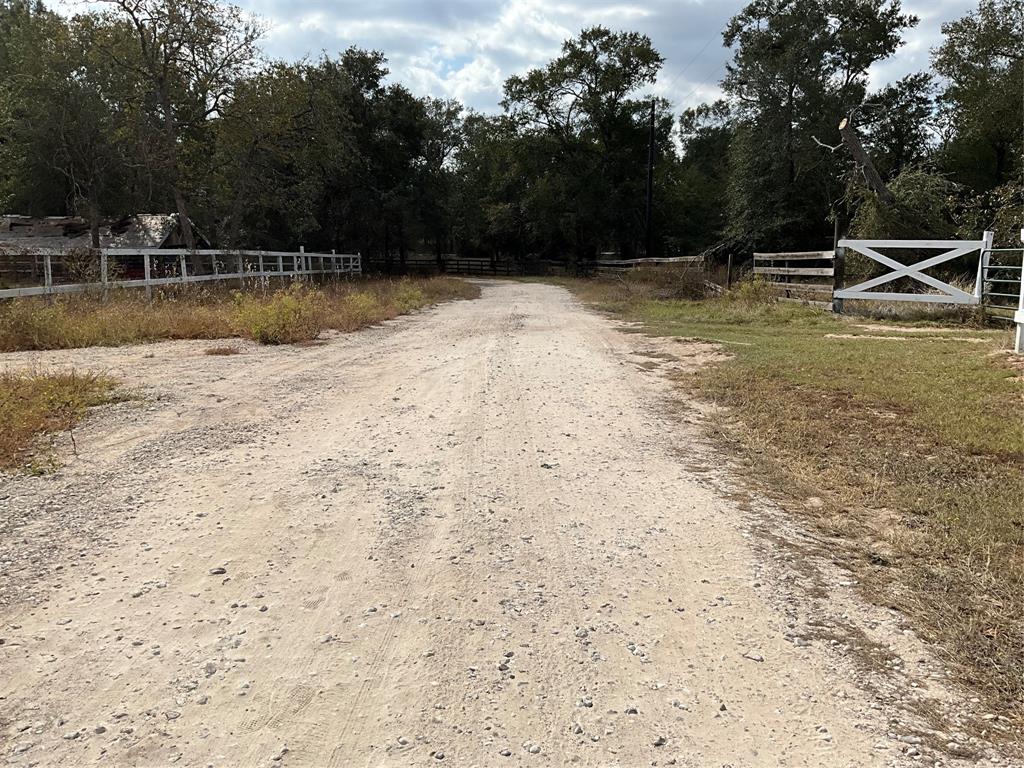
(478, 533)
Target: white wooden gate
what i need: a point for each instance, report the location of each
(947, 294)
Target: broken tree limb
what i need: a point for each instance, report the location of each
(852, 141)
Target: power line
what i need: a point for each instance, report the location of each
(686, 66)
(697, 87)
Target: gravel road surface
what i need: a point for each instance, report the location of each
(480, 535)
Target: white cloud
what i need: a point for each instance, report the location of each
(466, 48)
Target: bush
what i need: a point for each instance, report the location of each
(287, 316)
(754, 292)
(408, 297)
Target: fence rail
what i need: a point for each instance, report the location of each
(626, 265)
(803, 284)
(1001, 282)
(186, 267)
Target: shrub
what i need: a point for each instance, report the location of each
(408, 297)
(754, 292)
(356, 310)
(287, 316)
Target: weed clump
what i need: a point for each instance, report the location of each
(32, 404)
(285, 317)
(296, 313)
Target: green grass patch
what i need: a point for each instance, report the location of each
(911, 434)
(34, 404)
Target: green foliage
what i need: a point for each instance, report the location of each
(1000, 210)
(285, 317)
(923, 208)
(983, 59)
(165, 105)
(898, 120)
(798, 68)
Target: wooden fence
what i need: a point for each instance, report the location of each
(807, 277)
(626, 265)
(62, 272)
(449, 264)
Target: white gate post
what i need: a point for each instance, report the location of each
(983, 256)
(1018, 317)
(147, 275)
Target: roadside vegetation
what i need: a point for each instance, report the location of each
(297, 313)
(902, 442)
(34, 404)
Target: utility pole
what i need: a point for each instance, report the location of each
(650, 186)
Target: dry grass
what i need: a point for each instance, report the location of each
(271, 316)
(223, 351)
(33, 404)
(914, 441)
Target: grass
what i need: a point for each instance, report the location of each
(33, 404)
(913, 438)
(283, 316)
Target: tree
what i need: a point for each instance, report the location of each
(706, 131)
(982, 58)
(799, 66)
(188, 54)
(63, 137)
(589, 132)
(900, 123)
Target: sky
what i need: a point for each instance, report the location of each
(467, 48)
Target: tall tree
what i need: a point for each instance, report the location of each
(189, 54)
(585, 113)
(982, 59)
(798, 67)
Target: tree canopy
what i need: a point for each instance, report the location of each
(169, 105)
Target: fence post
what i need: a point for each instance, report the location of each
(147, 274)
(838, 275)
(728, 273)
(1018, 342)
(983, 257)
(48, 272)
(184, 268)
(104, 278)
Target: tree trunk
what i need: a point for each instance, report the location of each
(874, 180)
(171, 138)
(94, 223)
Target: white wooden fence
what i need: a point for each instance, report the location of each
(188, 267)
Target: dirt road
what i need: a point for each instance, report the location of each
(476, 536)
